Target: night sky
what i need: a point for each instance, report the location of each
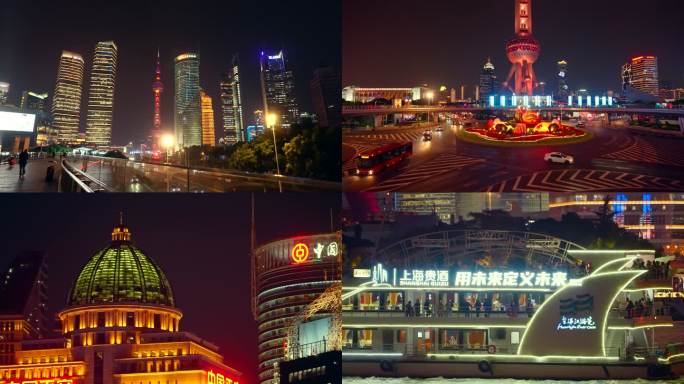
(33, 34)
(201, 242)
(404, 43)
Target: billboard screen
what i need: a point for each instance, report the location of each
(17, 122)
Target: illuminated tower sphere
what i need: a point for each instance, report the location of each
(522, 51)
(157, 89)
(119, 294)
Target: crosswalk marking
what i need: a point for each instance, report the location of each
(644, 152)
(443, 163)
(584, 180)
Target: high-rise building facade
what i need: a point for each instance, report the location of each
(287, 275)
(208, 136)
(488, 83)
(641, 73)
(231, 105)
(33, 101)
(157, 89)
(4, 90)
(101, 94)
(277, 88)
(563, 88)
(187, 108)
(23, 303)
(325, 96)
(66, 100)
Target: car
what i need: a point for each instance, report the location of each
(439, 128)
(175, 188)
(580, 124)
(427, 136)
(558, 157)
(135, 180)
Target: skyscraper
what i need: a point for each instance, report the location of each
(157, 89)
(23, 303)
(208, 136)
(33, 101)
(187, 110)
(101, 95)
(277, 88)
(488, 84)
(231, 105)
(641, 73)
(325, 96)
(66, 102)
(259, 117)
(4, 90)
(563, 89)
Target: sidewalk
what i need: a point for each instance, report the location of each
(34, 180)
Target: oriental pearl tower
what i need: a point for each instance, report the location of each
(157, 89)
(522, 51)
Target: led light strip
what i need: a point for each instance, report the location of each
(538, 358)
(657, 325)
(470, 326)
(372, 354)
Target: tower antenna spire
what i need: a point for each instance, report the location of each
(121, 218)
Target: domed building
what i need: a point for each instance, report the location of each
(120, 326)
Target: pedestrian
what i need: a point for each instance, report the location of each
(23, 160)
(478, 307)
(409, 309)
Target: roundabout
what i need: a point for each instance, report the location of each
(527, 128)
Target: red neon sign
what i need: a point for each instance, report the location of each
(300, 253)
(217, 378)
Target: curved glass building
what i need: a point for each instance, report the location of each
(187, 106)
(288, 275)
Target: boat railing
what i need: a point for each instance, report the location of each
(471, 314)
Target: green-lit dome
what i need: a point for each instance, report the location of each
(121, 273)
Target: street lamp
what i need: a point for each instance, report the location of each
(429, 95)
(167, 142)
(271, 120)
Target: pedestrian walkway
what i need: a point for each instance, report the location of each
(34, 181)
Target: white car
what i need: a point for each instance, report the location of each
(558, 157)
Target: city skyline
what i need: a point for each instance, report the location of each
(434, 65)
(158, 25)
(221, 247)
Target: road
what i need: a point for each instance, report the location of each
(616, 158)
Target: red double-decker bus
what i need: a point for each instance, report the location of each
(377, 160)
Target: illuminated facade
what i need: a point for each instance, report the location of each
(288, 275)
(231, 105)
(452, 207)
(522, 51)
(157, 90)
(66, 100)
(4, 90)
(277, 88)
(101, 95)
(23, 303)
(187, 108)
(120, 326)
(656, 217)
(563, 89)
(488, 83)
(208, 136)
(33, 101)
(641, 73)
(455, 303)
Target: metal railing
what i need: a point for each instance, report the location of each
(78, 181)
(123, 175)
